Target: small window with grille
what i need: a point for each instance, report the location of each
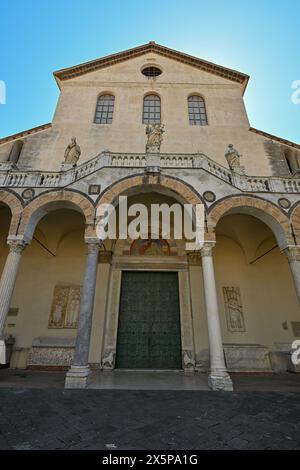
(197, 111)
(151, 72)
(152, 111)
(104, 109)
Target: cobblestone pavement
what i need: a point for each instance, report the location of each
(128, 419)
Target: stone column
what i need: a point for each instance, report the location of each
(77, 376)
(8, 279)
(219, 378)
(293, 255)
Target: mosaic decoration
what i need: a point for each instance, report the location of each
(150, 247)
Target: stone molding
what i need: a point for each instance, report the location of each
(152, 47)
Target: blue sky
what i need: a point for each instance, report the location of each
(260, 38)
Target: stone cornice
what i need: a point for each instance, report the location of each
(151, 47)
(19, 135)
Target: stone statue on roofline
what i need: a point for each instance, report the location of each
(72, 152)
(154, 134)
(234, 160)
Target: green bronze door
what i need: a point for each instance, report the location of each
(149, 321)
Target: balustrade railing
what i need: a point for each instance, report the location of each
(12, 177)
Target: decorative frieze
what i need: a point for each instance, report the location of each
(51, 351)
(40, 356)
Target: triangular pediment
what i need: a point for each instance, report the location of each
(151, 47)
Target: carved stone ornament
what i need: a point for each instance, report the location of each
(154, 134)
(209, 196)
(234, 309)
(284, 203)
(65, 306)
(28, 193)
(188, 362)
(233, 159)
(72, 152)
(108, 361)
(292, 252)
(17, 247)
(93, 247)
(50, 356)
(207, 249)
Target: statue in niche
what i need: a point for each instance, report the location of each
(154, 134)
(72, 152)
(233, 308)
(233, 159)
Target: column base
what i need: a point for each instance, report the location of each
(220, 383)
(77, 377)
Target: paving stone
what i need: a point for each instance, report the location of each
(129, 419)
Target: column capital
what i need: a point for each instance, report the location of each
(93, 245)
(292, 252)
(16, 246)
(207, 249)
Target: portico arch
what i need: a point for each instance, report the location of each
(183, 191)
(54, 200)
(15, 206)
(264, 210)
(295, 220)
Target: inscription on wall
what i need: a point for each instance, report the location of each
(65, 306)
(234, 309)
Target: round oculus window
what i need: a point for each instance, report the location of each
(151, 72)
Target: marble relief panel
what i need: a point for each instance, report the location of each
(234, 309)
(65, 306)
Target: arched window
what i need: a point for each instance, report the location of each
(15, 151)
(105, 109)
(151, 113)
(197, 111)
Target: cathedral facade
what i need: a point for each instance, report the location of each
(152, 126)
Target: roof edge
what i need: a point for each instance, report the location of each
(19, 135)
(275, 137)
(210, 67)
